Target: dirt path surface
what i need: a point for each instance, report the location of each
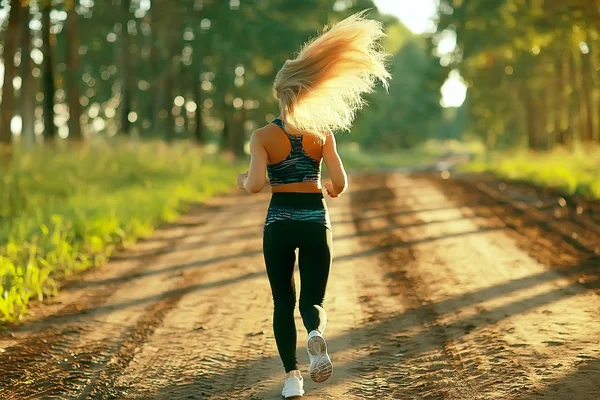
(439, 290)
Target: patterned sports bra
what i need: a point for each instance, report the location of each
(297, 167)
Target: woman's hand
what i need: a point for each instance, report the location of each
(241, 180)
(330, 190)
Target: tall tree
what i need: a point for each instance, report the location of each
(48, 72)
(29, 86)
(199, 128)
(73, 73)
(531, 65)
(8, 92)
(125, 67)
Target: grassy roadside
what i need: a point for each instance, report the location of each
(64, 211)
(355, 158)
(570, 172)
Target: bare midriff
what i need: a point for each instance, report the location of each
(301, 187)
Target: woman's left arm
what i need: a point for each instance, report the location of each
(254, 180)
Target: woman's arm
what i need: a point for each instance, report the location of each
(335, 168)
(254, 180)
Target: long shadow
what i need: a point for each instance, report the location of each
(90, 313)
(566, 387)
(203, 263)
(171, 248)
(400, 226)
(174, 268)
(409, 243)
(369, 194)
(341, 218)
(401, 323)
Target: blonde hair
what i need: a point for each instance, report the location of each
(321, 89)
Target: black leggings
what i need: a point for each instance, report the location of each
(313, 242)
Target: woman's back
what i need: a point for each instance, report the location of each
(294, 159)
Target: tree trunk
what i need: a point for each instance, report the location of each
(237, 135)
(532, 120)
(575, 106)
(557, 102)
(28, 87)
(581, 95)
(564, 136)
(48, 75)
(199, 131)
(168, 103)
(125, 71)
(8, 92)
(156, 87)
(590, 98)
(225, 142)
(72, 78)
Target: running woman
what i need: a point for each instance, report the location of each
(319, 92)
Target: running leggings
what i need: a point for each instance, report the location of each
(313, 242)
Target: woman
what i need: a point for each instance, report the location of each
(318, 92)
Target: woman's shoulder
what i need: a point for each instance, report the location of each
(265, 131)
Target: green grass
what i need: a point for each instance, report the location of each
(575, 172)
(356, 158)
(64, 211)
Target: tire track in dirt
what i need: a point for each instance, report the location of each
(567, 352)
(432, 371)
(480, 311)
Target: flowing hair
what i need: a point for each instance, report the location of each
(321, 89)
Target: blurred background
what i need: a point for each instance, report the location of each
(115, 113)
(202, 70)
(504, 72)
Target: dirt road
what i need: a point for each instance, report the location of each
(438, 291)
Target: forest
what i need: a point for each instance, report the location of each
(198, 70)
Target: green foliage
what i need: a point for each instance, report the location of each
(355, 157)
(571, 172)
(64, 211)
(130, 60)
(410, 113)
(531, 67)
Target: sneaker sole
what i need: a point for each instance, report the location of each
(293, 395)
(321, 368)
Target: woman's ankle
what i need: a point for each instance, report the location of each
(293, 373)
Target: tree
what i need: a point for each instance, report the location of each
(73, 73)
(48, 72)
(8, 92)
(125, 65)
(530, 68)
(29, 86)
(411, 112)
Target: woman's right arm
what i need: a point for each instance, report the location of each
(335, 168)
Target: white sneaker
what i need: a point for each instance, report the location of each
(294, 385)
(320, 363)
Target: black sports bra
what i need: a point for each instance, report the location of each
(297, 167)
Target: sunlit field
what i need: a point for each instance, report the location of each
(420, 156)
(573, 172)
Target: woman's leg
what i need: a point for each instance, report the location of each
(280, 257)
(314, 262)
